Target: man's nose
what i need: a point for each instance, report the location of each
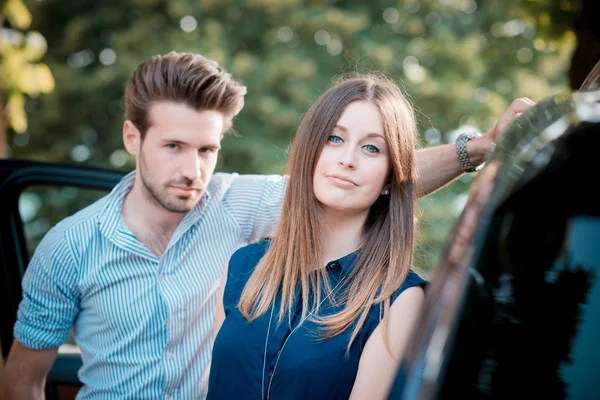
(191, 167)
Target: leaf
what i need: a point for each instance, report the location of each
(16, 112)
(17, 14)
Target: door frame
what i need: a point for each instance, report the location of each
(15, 176)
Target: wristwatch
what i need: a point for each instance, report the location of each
(461, 151)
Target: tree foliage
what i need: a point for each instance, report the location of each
(21, 73)
(461, 62)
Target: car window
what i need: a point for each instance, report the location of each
(42, 207)
(530, 320)
(534, 322)
(582, 263)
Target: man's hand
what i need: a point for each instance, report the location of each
(479, 147)
(516, 108)
(439, 165)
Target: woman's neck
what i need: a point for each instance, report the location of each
(341, 234)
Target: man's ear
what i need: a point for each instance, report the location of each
(132, 138)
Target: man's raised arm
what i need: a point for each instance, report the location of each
(439, 165)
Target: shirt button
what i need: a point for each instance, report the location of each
(166, 322)
(161, 277)
(171, 356)
(169, 398)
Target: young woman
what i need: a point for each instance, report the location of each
(325, 309)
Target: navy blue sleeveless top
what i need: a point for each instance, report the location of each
(265, 359)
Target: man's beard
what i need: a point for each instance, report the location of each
(161, 199)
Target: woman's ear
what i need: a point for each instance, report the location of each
(386, 189)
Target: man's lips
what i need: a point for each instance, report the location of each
(186, 189)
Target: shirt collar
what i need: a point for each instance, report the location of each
(112, 212)
(346, 263)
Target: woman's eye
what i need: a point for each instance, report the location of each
(371, 149)
(334, 139)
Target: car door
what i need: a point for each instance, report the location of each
(515, 300)
(33, 197)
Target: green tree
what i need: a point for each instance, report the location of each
(20, 72)
(460, 62)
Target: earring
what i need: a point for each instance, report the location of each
(385, 192)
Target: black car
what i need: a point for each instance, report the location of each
(513, 309)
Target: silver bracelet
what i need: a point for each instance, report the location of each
(461, 151)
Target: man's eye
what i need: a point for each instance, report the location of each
(206, 150)
(172, 146)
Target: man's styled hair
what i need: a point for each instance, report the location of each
(183, 78)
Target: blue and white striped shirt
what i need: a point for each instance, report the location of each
(143, 323)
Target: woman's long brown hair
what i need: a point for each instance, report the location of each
(294, 258)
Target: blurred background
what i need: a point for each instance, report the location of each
(64, 66)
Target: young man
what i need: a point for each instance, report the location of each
(136, 273)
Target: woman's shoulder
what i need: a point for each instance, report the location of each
(244, 259)
(412, 279)
(251, 252)
(241, 266)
